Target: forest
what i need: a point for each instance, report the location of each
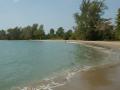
(90, 25)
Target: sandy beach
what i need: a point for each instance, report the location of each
(99, 78)
(102, 77)
(105, 44)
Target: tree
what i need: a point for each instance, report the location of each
(35, 31)
(68, 35)
(52, 33)
(36, 34)
(41, 32)
(13, 33)
(87, 19)
(60, 33)
(2, 35)
(26, 33)
(118, 26)
(105, 31)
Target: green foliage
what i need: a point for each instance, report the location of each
(26, 33)
(41, 32)
(2, 35)
(52, 34)
(13, 34)
(33, 32)
(89, 19)
(68, 35)
(118, 25)
(60, 33)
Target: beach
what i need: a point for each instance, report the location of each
(104, 44)
(104, 77)
(96, 79)
(69, 65)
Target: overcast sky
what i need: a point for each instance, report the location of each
(51, 13)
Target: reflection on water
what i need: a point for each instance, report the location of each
(89, 56)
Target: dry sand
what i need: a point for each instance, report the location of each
(105, 44)
(100, 78)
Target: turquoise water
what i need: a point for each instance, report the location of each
(25, 62)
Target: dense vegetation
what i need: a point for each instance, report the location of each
(90, 25)
(117, 32)
(34, 32)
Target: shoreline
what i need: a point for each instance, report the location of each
(79, 79)
(103, 44)
(105, 77)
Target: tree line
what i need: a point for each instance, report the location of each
(34, 32)
(90, 25)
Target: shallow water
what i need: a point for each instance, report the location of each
(24, 63)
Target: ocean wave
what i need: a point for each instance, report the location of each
(63, 77)
(61, 80)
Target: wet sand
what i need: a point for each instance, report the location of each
(105, 77)
(96, 79)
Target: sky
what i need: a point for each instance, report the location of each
(51, 13)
